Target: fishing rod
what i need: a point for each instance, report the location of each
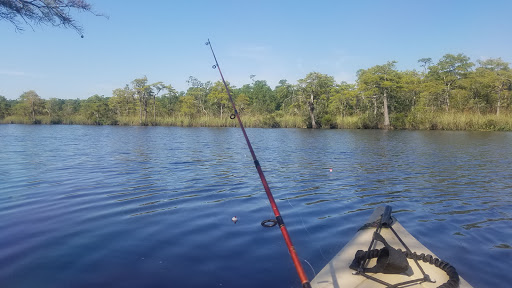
(279, 219)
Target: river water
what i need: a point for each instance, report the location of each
(102, 206)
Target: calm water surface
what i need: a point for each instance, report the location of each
(86, 206)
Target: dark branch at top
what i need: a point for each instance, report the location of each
(49, 12)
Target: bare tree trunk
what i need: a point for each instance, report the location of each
(145, 111)
(311, 112)
(447, 96)
(386, 114)
(140, 110)
(374, 105)
(499, 104)
(32, 106)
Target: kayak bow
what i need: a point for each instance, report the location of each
(383, 266)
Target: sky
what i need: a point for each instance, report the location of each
(274, 40)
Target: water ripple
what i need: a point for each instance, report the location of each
(69, 196)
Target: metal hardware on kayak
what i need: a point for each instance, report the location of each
(269, 223)
(385, 220)
(279, 220)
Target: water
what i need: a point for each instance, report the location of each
(87, 206)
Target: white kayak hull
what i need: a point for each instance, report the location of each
(337, 274)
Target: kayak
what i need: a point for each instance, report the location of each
(388, 263)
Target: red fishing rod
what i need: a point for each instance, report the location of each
(279, 219)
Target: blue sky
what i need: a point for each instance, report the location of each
(273, 40)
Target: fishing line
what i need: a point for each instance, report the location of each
(320, 248)
(291, 249)
(314, 273)
(288, 199)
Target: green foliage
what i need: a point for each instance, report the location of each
(283, 92)
(382, 83)
(123, 102)
(30, 105)
(446, 95)
(368, 121)
(187, 106)
(219, 98)
(199, 91)
(343, 100)
(262, 97)
(97, 111)
(399, 120)
(271, 121)
(5, 107)
(327, 121)
(314, 92)
(449, 71)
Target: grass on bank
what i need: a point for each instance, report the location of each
(423, 121)
(461, 121)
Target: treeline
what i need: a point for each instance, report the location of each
(454, 94)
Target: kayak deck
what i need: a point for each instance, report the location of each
(337, 274)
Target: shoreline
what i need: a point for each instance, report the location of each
(433, 121)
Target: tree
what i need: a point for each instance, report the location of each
(55, 13)
(426, 62)
(169, 101)
(431, 94)
(143, 93)
(158, 86)
(498, 75)
(187, 106)
(449, 70)
(284, 92)
(96, 108)
(123, 101)
(261, 97)
(52, 107)
(343, 100)
(312, 88)
(31, 104)
(69, 109)
(219, 97)
(410, 84)
(242, 102)
(245, 91)
(4, 107)
(380, 81)
(199, 91)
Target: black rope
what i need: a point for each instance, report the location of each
(453, 276)
(373, 224)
